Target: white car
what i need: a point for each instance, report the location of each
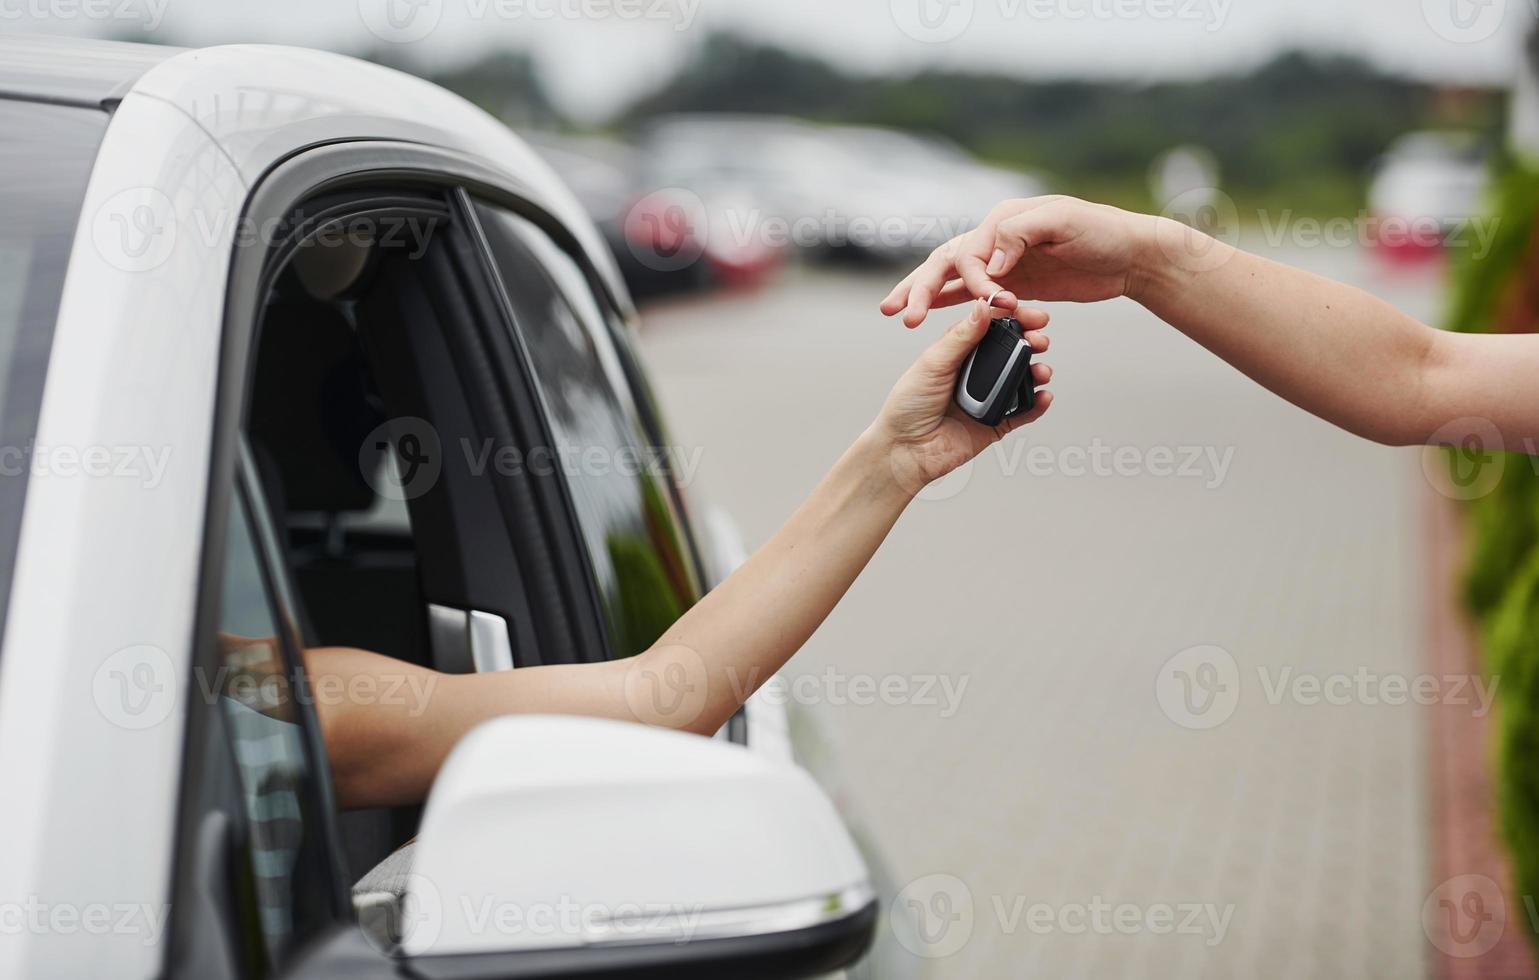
(300, 348)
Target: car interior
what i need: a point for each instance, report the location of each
(352, 559)
(353, 334)
(379, 351)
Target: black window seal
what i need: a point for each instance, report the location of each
(597, 642)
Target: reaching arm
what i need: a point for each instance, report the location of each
(1331, 349)
(719, 652)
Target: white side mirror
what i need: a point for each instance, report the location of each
(552, 842)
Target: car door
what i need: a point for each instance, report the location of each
(361, 423)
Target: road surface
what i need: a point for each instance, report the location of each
(1136, 662)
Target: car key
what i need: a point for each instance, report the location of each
(995, 383)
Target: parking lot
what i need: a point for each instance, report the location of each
(999, 682)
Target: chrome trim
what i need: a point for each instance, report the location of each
(490, 648)
(968, 403)
(448, 633)
(695, 925)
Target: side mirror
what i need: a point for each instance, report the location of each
(556, 846)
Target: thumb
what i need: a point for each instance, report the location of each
(945, 356)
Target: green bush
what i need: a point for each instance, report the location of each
(1501, 581)
(1511, 644)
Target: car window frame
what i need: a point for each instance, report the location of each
(307, 171)
(646, 416)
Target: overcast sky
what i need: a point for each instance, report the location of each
(598, 53)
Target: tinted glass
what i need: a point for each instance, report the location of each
(256, 684)
(45, 160)
(618, 479)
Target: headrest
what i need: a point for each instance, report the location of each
(313, 406)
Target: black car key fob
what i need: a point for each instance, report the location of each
(995, 383)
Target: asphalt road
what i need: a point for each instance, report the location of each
(1087, 805)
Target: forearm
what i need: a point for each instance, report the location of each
(1331, 349)
(387, 749)
(746, 628)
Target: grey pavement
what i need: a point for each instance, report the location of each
(1074, 770)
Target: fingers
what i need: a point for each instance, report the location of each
(976, 268)
(951, 294)
(946, 355)
(898, 298)
(915, 296)
(980, 258)
(1042, 402)
(1006, 245)
(929, 278)
(1045, 225)
(1041, 373)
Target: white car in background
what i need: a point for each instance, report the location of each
(1426, 188)
(926, 189)
(263, 309)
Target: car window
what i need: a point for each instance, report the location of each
(45, 161)
(255, 685)
(618, 480)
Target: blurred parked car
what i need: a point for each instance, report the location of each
(919, 191)
(831, 190)
(666, 239)
(1424, 189)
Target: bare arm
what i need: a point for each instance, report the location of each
(719, 652)
(1331, 349)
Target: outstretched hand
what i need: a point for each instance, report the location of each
(1039, 248)
(928, 434)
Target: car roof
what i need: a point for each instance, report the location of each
(262, 103)
(74, 71)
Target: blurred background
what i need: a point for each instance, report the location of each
(1181, 681)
